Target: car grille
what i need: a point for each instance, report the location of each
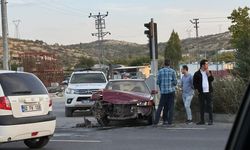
(85, 91)
(83, 99)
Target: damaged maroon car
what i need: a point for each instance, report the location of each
(124, 100)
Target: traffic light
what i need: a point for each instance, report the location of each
(149, 32)
(152, 34)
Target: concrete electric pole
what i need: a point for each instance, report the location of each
(5, 35)
(195, 22)
(100, 25)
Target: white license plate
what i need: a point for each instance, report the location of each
(31, 107)
(85, 101)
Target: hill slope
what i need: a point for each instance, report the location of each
(70, 54)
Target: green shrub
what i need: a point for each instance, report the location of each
(227, 94)
(226, 97)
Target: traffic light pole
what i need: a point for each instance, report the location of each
(154, 64)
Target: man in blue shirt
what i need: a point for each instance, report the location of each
(167, 82)
(187, 91)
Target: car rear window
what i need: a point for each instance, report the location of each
(88, 78)
(21, 84)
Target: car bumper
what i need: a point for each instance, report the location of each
(10, 120)
(9, 133)
(79, 101)
(140, 112)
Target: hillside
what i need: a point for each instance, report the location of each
(70, 54)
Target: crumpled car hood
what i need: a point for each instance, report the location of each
(121, 97)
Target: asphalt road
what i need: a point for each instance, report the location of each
(134, 136)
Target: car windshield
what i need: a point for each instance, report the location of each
(129, 86)
(21, 84)
(88, 78)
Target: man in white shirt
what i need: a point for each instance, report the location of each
(202, 82)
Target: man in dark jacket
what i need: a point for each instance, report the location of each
(202, 82)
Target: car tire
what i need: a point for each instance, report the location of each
(151, 118)
(100, 114)
(68, 112)
(101, 118)
(37, 142)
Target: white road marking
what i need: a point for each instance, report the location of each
(186, 128)
(62, 134)
(77, 141)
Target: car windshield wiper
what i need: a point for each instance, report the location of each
(21, 92)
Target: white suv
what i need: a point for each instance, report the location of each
(25, 110)
(80, 88)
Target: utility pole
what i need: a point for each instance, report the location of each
(100, 25)
(5, 35)
(16, 23)
(195, 23)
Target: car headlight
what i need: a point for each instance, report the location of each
(69, 91)
(142, 104)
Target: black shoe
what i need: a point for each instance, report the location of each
(200, 123)
(210, 123)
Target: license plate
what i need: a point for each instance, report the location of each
(85, 101)
(31, 107)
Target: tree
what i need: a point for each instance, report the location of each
(173, 49)
(139, 61)
(240, 30)
(224, 57)
(85, 62)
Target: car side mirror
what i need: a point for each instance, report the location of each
(154, 92)
(65, 82)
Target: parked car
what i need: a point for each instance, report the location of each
(240, 133)
(25, 110)
(80, 88)
(124, 100)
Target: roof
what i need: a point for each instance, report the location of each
(11, 71)
(129, 67)
(114, 80)
(87, 71)
(7, 71)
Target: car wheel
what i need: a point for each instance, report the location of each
(37, 143)
(101, 117)
(68, 112)
(151, 118)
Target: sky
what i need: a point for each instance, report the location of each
(67, 22)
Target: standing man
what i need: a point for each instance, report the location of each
(167, 82)
(203, 84)
(187, 92)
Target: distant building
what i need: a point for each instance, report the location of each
(226, 51)
(221, 69)
(134, 71)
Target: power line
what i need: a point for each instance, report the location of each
(214, 18)
(60, 10)
(215, 21)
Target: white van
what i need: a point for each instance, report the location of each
(25, 110)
